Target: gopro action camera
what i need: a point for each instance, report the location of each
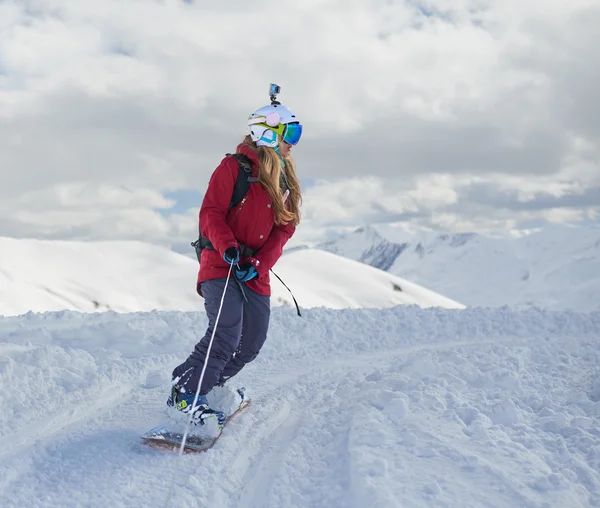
(274, 91)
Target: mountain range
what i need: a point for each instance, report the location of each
(557, 267)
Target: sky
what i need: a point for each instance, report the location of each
(455, 115)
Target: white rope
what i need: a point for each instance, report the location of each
(189, 423)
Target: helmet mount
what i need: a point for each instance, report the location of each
(274, 90)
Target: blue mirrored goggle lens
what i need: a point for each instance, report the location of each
(292, 133)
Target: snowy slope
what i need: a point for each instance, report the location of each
(134, 276)
(328, 280)
(400, 407)
(556, 268)
(43, 275)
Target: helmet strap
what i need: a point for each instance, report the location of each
(280, 157)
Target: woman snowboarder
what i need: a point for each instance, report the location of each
(243, 242)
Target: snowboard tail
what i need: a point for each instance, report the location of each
(162, 437)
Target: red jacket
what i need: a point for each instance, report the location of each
(250, 223)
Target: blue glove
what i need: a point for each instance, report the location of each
(231, 255)
(245, 272)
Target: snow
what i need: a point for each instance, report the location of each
(49, 275)
(327, 280)
(557, 267)
(402, 406)
(385, 393)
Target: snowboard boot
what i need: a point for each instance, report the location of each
(201, 413)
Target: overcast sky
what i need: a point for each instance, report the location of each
(456, 115)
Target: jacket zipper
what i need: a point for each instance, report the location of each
(240, 206)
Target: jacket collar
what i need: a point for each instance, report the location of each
(251, 154)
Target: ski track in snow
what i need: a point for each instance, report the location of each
(30, 434)
(258, 463)
(403, 407)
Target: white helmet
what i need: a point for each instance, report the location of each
(268, 123)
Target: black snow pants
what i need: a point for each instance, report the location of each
(241, 333)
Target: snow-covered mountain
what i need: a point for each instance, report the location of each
(556, 268)
(39, 275)
(323, 279)
(367, 246)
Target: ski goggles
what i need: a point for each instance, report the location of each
(290, 132)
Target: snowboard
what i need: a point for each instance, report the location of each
(163, 438)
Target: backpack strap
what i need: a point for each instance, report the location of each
(240, 189)
(244, 179)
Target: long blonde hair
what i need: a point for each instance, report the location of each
(269, 174)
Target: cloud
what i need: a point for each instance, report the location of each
(85, 211)
(459, 113)
(494, 202)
